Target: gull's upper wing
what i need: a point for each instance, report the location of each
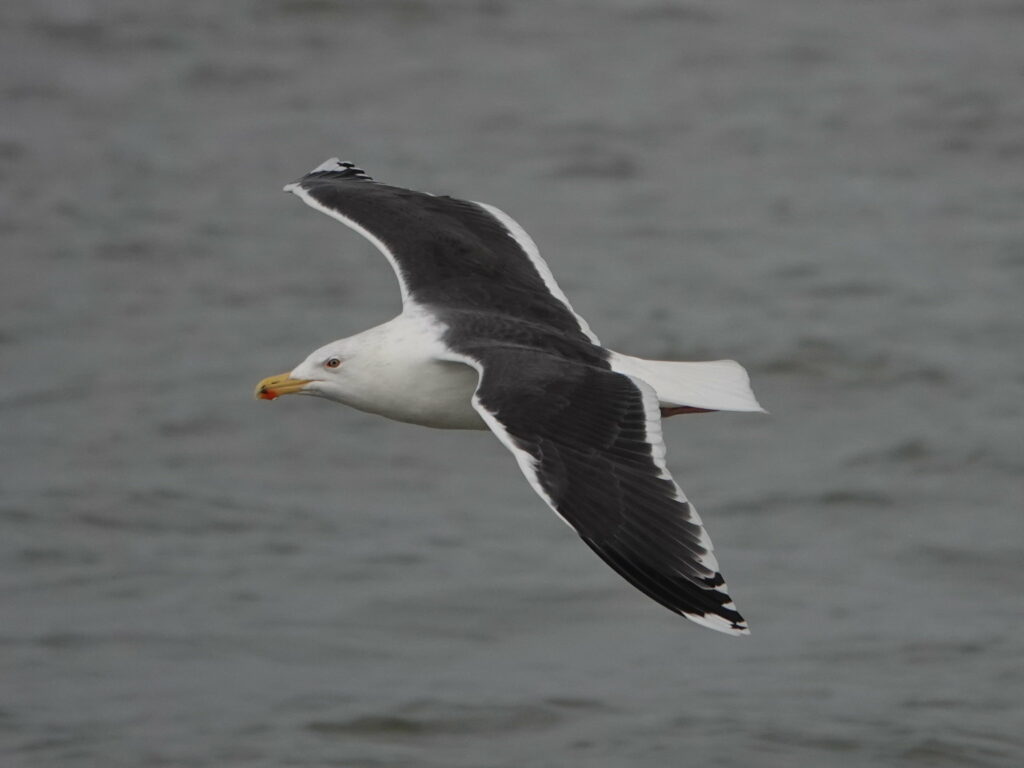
(589, 441)
(447, 253)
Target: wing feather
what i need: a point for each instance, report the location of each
(589, 442)
(447, 253)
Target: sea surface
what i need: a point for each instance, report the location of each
(830, 192)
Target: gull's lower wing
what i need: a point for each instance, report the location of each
(589, 441)
(446, 253)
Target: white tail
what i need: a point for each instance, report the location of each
(717, 385)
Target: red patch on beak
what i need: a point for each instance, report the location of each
(267, 394)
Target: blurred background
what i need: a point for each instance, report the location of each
(829, 192)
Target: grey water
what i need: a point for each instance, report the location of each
(829, 192)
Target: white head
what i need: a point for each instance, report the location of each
(326, 372)
(395, 370)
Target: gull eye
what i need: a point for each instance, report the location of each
(332, 362)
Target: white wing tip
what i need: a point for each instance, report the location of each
(331, 164)
(335, 165)
(717, 623)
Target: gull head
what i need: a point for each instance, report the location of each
(324, 373)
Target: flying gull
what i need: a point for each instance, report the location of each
(487, 340)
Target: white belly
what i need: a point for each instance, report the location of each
(441, 397)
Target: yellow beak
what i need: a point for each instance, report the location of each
(275, 386)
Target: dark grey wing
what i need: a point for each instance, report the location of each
(589, 441)
(447, 253)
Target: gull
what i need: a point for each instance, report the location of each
(487, 340)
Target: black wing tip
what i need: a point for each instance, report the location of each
(722, 616)
(707, 604)
(337, 170)
(723, 619)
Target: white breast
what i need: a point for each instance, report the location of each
(441, 397)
